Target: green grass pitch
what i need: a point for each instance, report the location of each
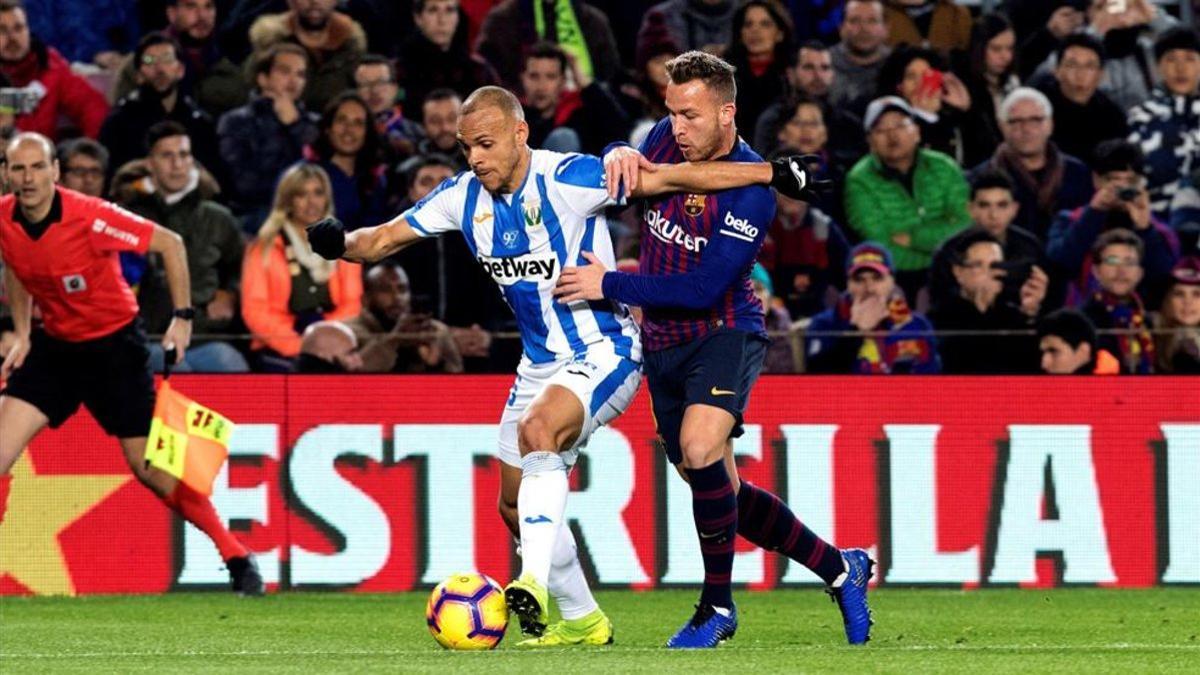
(1070, 630)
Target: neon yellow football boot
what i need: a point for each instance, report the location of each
(592, 630)
(529, 600)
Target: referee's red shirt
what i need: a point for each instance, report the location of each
(72, 269)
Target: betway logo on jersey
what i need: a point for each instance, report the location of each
(101, 226)
(524, 268)
(671, 233)
(741, 226)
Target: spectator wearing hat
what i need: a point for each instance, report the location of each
(1115, 306)
(1167, 126)
(1177, 344)
(1120, 202)
(1068, 346)
(908, 198)
(983, 306)
(898, 340)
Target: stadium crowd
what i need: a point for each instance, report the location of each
(1015, 190)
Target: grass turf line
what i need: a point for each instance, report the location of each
(1068, 630)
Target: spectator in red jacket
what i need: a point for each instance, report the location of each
(50, 89)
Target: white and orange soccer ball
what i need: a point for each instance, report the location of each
(467, 612)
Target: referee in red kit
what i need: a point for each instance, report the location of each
(60, 249)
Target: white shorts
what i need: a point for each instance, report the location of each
(604, 382)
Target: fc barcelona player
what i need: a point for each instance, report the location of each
(60, 250)
(704, 340)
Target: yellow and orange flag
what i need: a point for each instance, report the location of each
(187, 440)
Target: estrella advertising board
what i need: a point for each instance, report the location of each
(389, 483)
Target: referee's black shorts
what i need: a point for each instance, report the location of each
(719, 370)
(110, 375)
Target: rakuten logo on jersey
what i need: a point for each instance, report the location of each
(741, 225)
(671, 233)
(508, 271)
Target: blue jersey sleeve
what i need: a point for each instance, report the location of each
(731, 250)
(581, 181)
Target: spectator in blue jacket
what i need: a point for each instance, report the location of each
(1121, 202)
(262, 138)
(1167, 127)
(898, 340)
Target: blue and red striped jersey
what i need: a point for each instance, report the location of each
(696, 255)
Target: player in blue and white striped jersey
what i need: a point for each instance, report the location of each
(525, 215)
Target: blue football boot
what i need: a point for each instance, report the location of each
(851, 595)
(706, 629)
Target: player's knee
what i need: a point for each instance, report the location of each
(535, 434)
(699, 452)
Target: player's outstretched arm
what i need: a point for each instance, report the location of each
(170, 246)
(700, 177)
(790, 176)
(329, 239)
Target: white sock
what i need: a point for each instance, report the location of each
(568, 585)
(540, 507)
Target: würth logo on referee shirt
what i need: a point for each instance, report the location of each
(101, 226)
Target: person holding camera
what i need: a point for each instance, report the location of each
(1121, 201)
(993, 295)
(993, 207)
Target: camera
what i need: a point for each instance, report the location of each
(21, 100)
(1128, 194)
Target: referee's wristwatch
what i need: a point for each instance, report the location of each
(185, 313)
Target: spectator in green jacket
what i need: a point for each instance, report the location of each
(214, 247)
(908, 198)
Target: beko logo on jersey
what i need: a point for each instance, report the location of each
(741, 225)
(524, 268)
(101, 227)
(671, 233)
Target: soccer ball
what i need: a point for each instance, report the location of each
(467, 611)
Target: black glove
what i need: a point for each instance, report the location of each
(791, 177)
(328, 238)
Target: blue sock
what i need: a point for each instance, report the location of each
(714, 507)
